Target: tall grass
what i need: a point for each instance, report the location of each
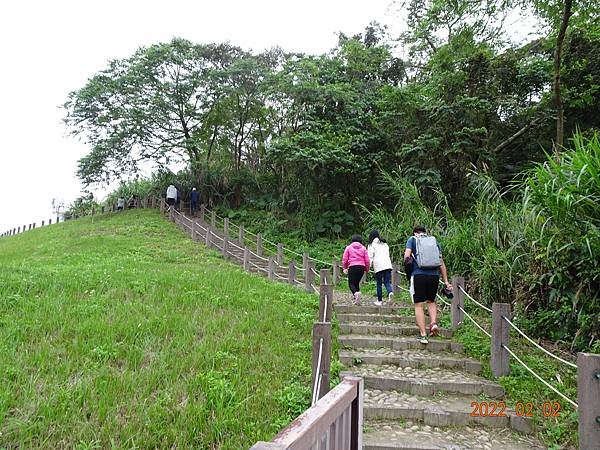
(536, 245)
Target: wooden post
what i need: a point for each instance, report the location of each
(271, 267)
(356, 426)
(207, 239)
(309, 278)
(193, 232)
(29, 227)
(321, 331)
(292, 273)
(500, 335)
(241, 235)
(259, 245)
(93, 211)
(202, 212)
(43, 222)
(588, 399)
(49, 221)
(172, 213)
(280, 254)
(305, 259)
(325, 302)
(34, 225)
(246, 258)
(226, 226)
(57, 219)
(458, 316)
(18, 230)
(213, 219)
(225, 246)
(324, 277)
(336, 272)
(396, 280)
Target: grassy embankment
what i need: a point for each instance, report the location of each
(118, 331)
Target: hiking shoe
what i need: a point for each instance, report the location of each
(434, 330)
(357, 298)
(423, 340)
(378, 303)
(390, 297)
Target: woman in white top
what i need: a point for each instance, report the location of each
(379, 254)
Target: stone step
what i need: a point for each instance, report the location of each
(368, 307)
(378, 318)
(384, 328)
(393, 435)
(424, 381)
(398, 343)
(409, 358)
(440, 411)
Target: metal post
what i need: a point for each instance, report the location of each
(292, 273)
(271, 267)
(259, 246)
(458, 299)
(336, 272)
(395, 280)
(246, 258)
(588, 399)
(500, 335)
(321, 330)
(280, 254)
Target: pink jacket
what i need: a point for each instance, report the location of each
(356, 255)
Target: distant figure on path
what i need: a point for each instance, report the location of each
(379, 254)
(194, 197)
(355, 263)
(171, 196)
(426, 256)
(120, 204)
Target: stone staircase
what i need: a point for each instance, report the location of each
(419, 396)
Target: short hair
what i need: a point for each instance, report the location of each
(419, 229)
(356, 238)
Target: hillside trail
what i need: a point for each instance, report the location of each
(416, 396)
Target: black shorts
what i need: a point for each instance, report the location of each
(170, 201)
(424, 287)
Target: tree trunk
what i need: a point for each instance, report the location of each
(560, 115)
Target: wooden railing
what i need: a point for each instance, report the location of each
(333, 423)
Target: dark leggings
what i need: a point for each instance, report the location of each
(355, 274)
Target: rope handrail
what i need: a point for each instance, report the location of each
(258, 256)
(474, 301)
(316, 387)
(475, 322)
(443, 301)
(321, 262)
(325, 308)
(216, 235)
(538, 377)
(258, 267)
(279, 276)
(314, 288)
(233, 244)
(570, 364)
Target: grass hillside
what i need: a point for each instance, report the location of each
(118, 331)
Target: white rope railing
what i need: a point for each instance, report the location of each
(325, 309)
(233, 244)
(473, 300)
(258, 267)
(258, 256)
(443, 301)
(475, 322)
(315, 395)
(314, 288)
(279, 276)
(570, 364)
(538, 377)
(216, 235)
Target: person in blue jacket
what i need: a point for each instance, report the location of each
(195, 198)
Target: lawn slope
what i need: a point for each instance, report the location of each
(118, 331)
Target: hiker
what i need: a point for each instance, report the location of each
(194, 197)
(426, 256)
(355, 263)
(120, 204)
(379, 254)
(171, 196)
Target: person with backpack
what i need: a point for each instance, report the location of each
(425, 254)
(379, 254)
(355, 263)
(194, 198)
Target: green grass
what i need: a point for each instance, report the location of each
(520, 386)
(118, 331)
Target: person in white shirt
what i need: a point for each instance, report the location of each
(171, 196)
(379, 254)
(120, 204)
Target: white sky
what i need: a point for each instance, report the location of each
(50, 48)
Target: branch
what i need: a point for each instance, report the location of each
(516, 136)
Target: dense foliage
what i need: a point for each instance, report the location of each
(318, 143)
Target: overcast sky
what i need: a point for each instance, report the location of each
(50, 48)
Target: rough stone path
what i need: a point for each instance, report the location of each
(416, 396)
(419, 396)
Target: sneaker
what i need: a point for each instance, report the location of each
(378, 303)
(423, 340)
(390, 297)
(434, 329)
(357, 297)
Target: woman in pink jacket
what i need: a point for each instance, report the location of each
(355, 263)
